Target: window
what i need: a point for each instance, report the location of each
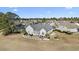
(42, 33)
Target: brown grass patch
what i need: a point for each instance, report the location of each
(15, 42)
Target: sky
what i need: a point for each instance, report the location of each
(40, 12)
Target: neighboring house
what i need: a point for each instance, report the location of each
(40, 29)
(63, 28)
(67, 26)
(77, 24)
(19, 27)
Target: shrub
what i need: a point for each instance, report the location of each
(67, 32)
(7, 31)
(47, 35)
(24, 32)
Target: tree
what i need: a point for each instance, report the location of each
(2, 21)
(54, 18)
(1, 14)
(7, 22)
(43, 20)
(12, 16)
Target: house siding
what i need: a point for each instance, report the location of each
(42, 32)
(36, 33)
(29, 30)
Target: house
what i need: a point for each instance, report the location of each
(67, 26)
(40, 29)
(77, 24)
(19, 27)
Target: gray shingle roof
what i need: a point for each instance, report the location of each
(39, 26)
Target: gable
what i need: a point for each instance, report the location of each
(42, 32)
(29, 29)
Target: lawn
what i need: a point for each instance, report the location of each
(15, 42)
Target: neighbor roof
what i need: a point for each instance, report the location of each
(67, 24)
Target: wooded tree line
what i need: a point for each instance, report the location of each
(54, 18)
